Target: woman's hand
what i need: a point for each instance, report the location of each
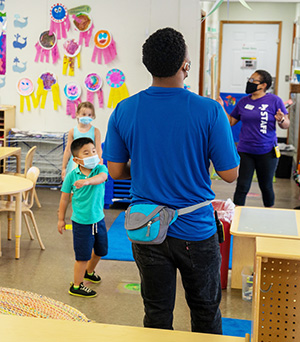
(279, 116)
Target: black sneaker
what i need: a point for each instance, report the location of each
(94, 278)
(82, 291)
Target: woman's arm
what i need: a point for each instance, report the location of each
(67, 153)
(231, 119)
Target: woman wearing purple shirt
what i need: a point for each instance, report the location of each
(258, 112)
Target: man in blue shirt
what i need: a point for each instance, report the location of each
(164, 138)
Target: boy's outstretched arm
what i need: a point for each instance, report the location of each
(98, 179)
(63, 205)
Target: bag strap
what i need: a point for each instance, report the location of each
(191, 208)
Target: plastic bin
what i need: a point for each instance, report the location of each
(225, 210)
(247, 289)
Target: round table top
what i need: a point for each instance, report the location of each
(14, 184)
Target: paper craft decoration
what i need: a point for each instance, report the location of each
(20, 22)
(72, 50)
(17, 67)
(84, 24)
(47, 44)
(82, 8)
(104, 46)
(3, 44)
(218, 3)
(47, 82)
(72, 92)
(60, 23)
(116, 80)
(17, 44)
(25, 88)
(93, 84)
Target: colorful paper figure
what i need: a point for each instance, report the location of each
(60, 23)
(47, 82)
(72, 50)
(84, 24)
(47, 43)
(104, 45)
(72, 91)
(93, 84)
(20, 22)
(116, 80)
(25, 88)
(2, 82)
(18, 68)
(19, 45)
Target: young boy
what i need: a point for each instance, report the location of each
(89, 230)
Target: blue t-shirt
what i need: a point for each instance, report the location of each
(258, 132)
(88, 201)
(170, 135)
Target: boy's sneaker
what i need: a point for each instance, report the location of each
(94, 278)
(82, 291)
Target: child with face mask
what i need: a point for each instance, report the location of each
(85, 114)
(86, 182)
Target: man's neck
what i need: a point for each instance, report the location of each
(167, 82)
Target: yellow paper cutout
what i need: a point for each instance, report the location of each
(116, 95)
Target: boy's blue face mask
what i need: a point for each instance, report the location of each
(90, 162)
(85, 120)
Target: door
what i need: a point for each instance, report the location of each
(244, 48)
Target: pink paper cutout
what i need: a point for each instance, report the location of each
(109, 53)
(42, 54)
(61, 28)
(90, 97)
(71, 107)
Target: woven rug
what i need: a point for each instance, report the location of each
(24, 303)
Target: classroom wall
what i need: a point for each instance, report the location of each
(129, 21)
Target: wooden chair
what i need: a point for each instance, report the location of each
(10, 206)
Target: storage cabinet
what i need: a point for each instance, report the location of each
(276, 290)
(7, 121)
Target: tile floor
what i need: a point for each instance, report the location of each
(49, 272)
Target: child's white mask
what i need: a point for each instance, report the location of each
(85, 120)
(90, 162)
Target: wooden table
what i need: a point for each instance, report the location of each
(28, 329)
(14, 185)
(250, 222)
(6, 152)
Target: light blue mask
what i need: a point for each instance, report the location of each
(90, 162)
(85, 120)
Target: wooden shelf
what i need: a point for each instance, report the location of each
(294, 88)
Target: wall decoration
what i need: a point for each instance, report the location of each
(104, 46)
(19, 68)
(116, 80)
(2, 82)
(48, 82)
(47, 43)
(3, 43)
(84, 24)
(82, 8)
(60, 23)
(19, 45)
(25, 88)
(72, 92)
(71, 50)
(93, 84)
(20, 22)
(2, 5)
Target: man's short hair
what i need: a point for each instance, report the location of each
(77, 144)
(164, 52)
